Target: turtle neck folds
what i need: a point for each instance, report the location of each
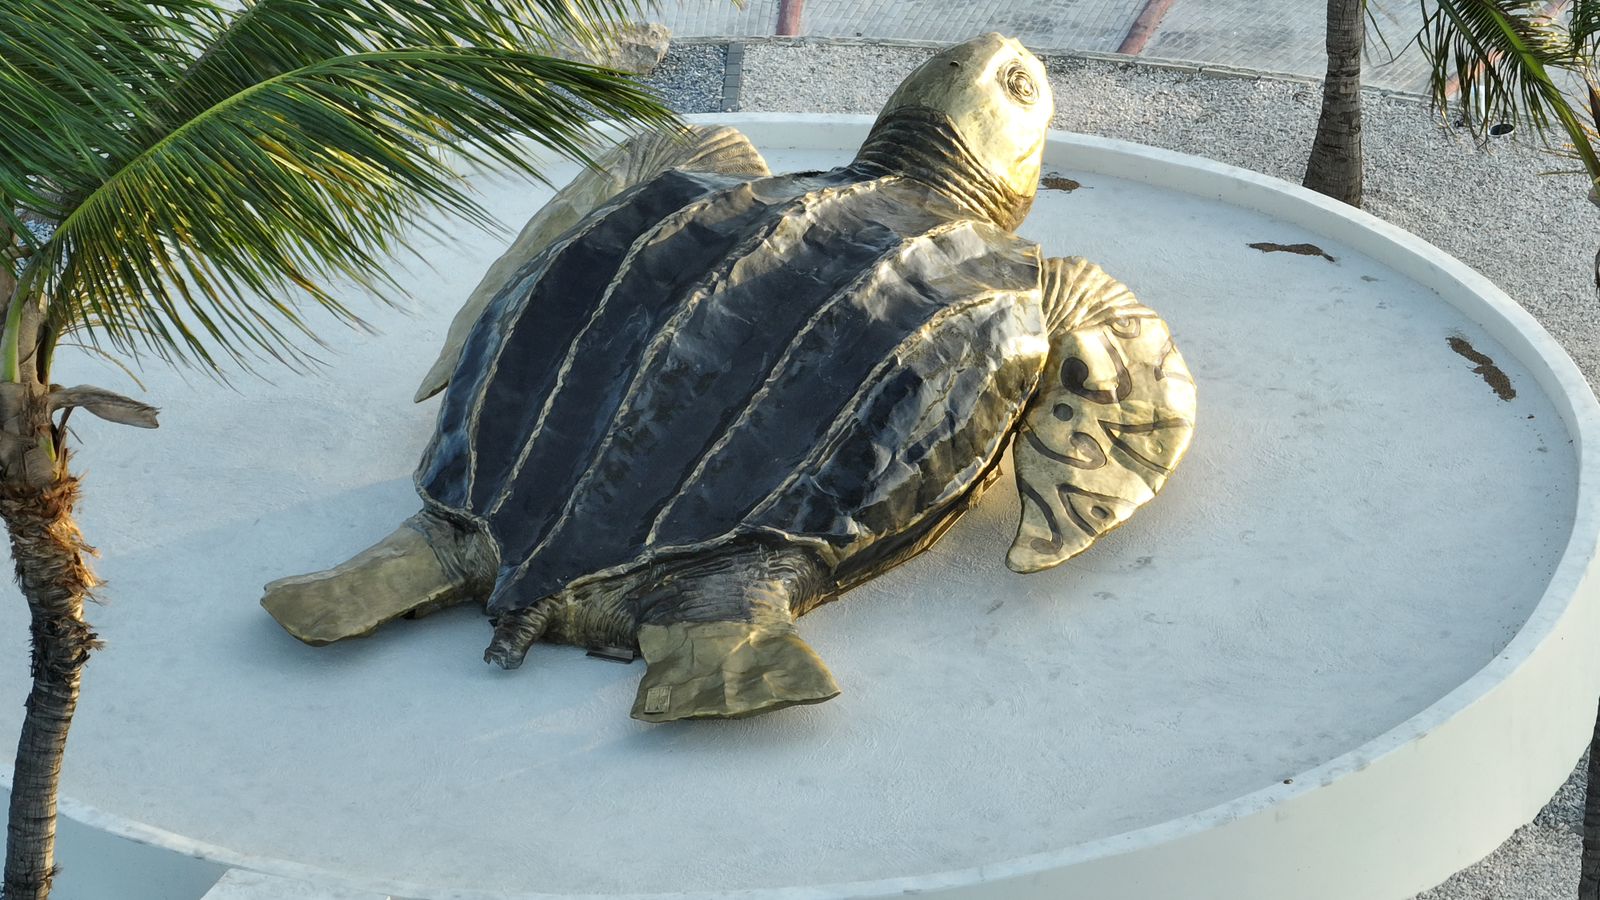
(923, 144)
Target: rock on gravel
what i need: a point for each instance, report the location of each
(1533, 235)
(636, 47)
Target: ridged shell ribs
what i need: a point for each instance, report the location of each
(834, 359)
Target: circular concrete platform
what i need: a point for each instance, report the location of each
(1346, 652)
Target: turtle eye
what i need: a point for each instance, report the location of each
(1019, 83)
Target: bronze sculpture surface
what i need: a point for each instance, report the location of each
(696, 400)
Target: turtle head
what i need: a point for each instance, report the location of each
(971, 121)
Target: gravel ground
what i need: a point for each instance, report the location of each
(1565, 810)
(690, 78)
(1534, 235)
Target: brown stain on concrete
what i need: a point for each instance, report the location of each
(1301, 249)
(1054, 182)
(1486, 368)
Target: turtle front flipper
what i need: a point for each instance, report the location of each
(424, 565)
(698, 148)
(1113, 416)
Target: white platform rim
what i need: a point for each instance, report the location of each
(1398, 777)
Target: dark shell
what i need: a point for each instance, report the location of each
(832, 358)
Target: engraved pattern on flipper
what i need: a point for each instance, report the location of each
(1075, 375)
(1171, 365)
(1125, 326)
(1085, 452)
(1128, 395)
(1104, 514)
(1057, 538)
(1117, 432)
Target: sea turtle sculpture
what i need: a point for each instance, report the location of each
(696, 401)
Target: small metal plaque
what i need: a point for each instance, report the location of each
(658, 699)
(622, 655)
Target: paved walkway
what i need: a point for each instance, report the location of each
(1277, 36)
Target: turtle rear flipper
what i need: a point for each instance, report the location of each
(421, 567)
(727, 670)
(698, 670)
(718, 636)
(716, 630)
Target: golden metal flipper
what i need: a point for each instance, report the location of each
(1113, 416)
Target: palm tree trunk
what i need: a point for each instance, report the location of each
(1594, 197)
(1335, 166)
(36, 504)
(1589, 863)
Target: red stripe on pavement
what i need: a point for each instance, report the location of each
(789, 17)
(1144, 27)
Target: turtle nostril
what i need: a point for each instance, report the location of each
(954, 64)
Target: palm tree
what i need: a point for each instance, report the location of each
(184, 179)
(1335, 165)
(1509, 60)
(1589, 860)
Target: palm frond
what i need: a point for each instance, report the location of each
(1501, 54)
(110, 358)
(75, 75)
(1584, 26)
(1374, 36)
(269, 37)
(211, 238)
(105, 55)
(1498, 52)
